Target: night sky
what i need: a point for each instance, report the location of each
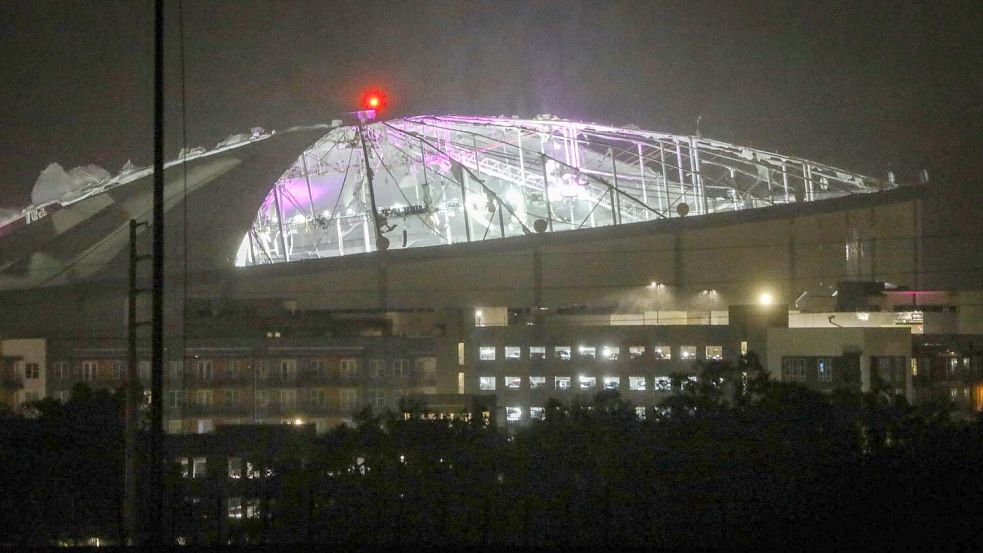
(862, 85)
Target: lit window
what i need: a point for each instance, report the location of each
(587, 352)
(636, 383)
(185, 467)
(252, 471)
(486, 353)
(513, 382)
(537, 413)
(513, 352)
(235, 468)
(486, 383)
(537, 382)
(743, 348)
(513, 414)
(460, 353)
(537, 352)
(562, 352)
(640, 413)
(824, 369)
(662, 384)
(715, 352)
(612, 382)
(199, 468)
(252, 507)
(610, 353)
(662, 352)
(636, 352)
(588, 382)
(562, 382)
(235, 507)
(687, 352)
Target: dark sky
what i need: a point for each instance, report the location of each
(862, 85)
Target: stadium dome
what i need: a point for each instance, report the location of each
(400, 183)
(438, 180)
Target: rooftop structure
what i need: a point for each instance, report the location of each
(438, 180)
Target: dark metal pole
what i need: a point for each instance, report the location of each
(130, 510)
(371, 190)
(157, 325)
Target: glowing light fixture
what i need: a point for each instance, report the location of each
(374, 100)
(765, 298)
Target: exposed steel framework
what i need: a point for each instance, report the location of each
(447, 179)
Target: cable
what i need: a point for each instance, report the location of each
(396, 183)
(334, 210)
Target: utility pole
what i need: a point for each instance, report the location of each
(130, 510)
(156, 514)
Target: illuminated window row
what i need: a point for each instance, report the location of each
(563, 383)
(605, 353)
(514, 414)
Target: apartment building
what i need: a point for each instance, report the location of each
(23, 377)
(321, 381)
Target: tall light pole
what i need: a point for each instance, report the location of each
(157, 293)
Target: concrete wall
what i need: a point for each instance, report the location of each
(781, 249)
(835, 342)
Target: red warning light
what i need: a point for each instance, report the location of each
(374, 100)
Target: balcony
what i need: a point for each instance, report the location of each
(216, 381)
(11, 382)
(215, 409)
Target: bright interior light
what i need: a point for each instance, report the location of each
(764, 298)
(374, 102)
(513, 197)
(298, 422)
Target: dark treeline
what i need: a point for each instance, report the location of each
(734, 460)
